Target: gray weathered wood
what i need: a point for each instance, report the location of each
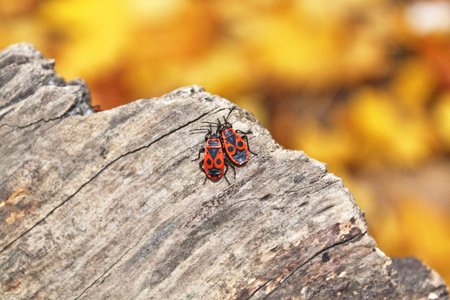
(110, 205)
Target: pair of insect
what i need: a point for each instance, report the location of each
(225, 147)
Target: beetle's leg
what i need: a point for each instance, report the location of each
(229, 163)
(202, 150)
(200, 164)
(225, 173)
(243, 132)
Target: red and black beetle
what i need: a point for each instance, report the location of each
(214, 163)
(233, 143)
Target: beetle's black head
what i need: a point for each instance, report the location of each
(222, 127)
(210, 134)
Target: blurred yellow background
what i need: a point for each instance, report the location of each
(363, 85)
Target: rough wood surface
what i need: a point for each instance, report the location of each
(110, 206)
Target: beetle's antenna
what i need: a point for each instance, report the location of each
(209, 123)
(198, 130)
(231, 110)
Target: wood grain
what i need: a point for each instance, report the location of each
(110, 205)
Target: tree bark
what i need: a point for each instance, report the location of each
(110, 205)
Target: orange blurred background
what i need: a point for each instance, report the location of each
(363, 85)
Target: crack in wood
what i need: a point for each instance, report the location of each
(259, 288)
(112, 265)
(14, 254)
(101, 171)
(64, 115)
(318, 182)
(324, 209)
(31, 124)
(108, 269)
(320, 252)
(59, 118)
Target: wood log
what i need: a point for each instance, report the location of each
(111, 205)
